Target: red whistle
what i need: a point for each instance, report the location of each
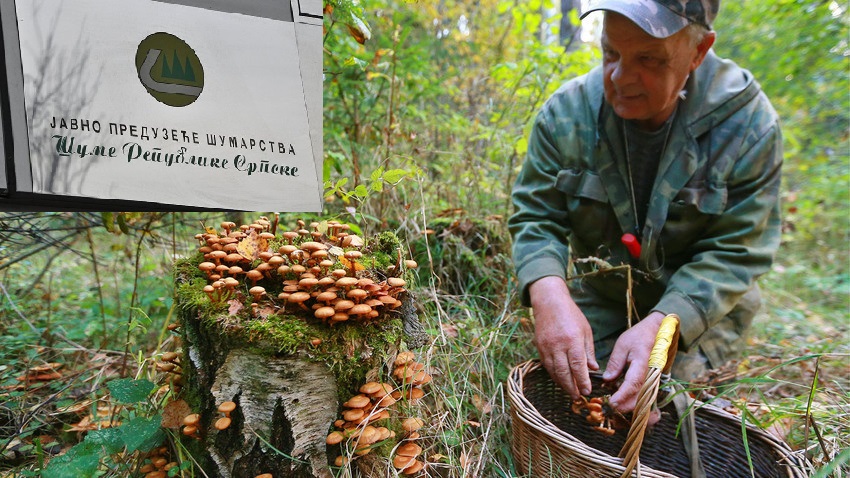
(632, 244)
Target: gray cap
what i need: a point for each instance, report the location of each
(661, 18)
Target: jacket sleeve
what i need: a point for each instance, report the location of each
(737, 246)
(540, 225)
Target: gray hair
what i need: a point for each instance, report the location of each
(696, 33)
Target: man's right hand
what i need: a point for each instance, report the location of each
(562, 336)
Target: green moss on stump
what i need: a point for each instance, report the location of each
(350, 349)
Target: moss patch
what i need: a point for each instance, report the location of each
(350, 349)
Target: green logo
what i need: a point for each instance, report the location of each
(169, 69)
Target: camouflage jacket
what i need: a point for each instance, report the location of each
(712, 226)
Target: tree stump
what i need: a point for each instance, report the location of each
(286, 371)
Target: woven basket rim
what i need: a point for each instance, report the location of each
(524, 410)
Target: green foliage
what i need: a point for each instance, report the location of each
(136, 433)
(127, 390)
(446, 89)
(84, 459)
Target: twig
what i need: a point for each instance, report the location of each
(99, 285)
(809, 418)
(15, 308)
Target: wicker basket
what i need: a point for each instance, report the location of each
(551, 441)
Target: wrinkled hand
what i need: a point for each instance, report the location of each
(631, 353)
(562, 336)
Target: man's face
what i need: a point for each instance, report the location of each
(643, 74)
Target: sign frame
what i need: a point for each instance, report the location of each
(16, 179)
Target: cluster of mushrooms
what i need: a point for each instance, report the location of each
(157, 465)
(192, 421)
(170, 365)
(357, 428)
(597, 412)
(318, 272)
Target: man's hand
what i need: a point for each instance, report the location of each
(631, 353)
(562, 336)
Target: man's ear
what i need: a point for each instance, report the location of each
(702, 49)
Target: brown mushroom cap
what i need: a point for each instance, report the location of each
(421, 378)
(357, 401)
(353, 255)
(386, 401)
(410, 264)
(311, 246)
(308, 283)
(254, 275)
(404, 357)
(298, 297)
(400, 461)
(384, 433)
(192, 419)
(357, 294)
(341, 461)
(343, 305)
(353, 414)
(340, 317)
(409, 449)
(170, 356)
(359, 309)
(190, 430)
(326, 296)
(395, 282)
(416, 467)
(346, 282)
(324, 313)
(367, 388)
(257, 291)
(334, 438)
(222, 423)
(412, 424)
(227, 407)
(415, 393)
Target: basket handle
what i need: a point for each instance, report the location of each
(660, 359)
(666, 344)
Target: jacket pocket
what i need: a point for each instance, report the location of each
(587, 205)
(581, 184)
(689, 214)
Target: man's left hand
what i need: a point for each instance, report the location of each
(631, 353)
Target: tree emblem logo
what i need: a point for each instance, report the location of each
(169, 69)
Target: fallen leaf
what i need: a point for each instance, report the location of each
(174, 412)
(450, 330)
(235, 306)
(252, 245)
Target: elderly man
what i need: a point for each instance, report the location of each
(666, 158)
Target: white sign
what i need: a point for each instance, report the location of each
(174, 104)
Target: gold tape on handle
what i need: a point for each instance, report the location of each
(663, 340)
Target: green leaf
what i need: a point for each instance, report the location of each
(128, 390)
(142, 433)
(377, 186)
(108, 440)
(354, 61)
(395, 175)
(122, 223)
(360, 191)
(108, 219)
(376, 174)
(81, 461)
